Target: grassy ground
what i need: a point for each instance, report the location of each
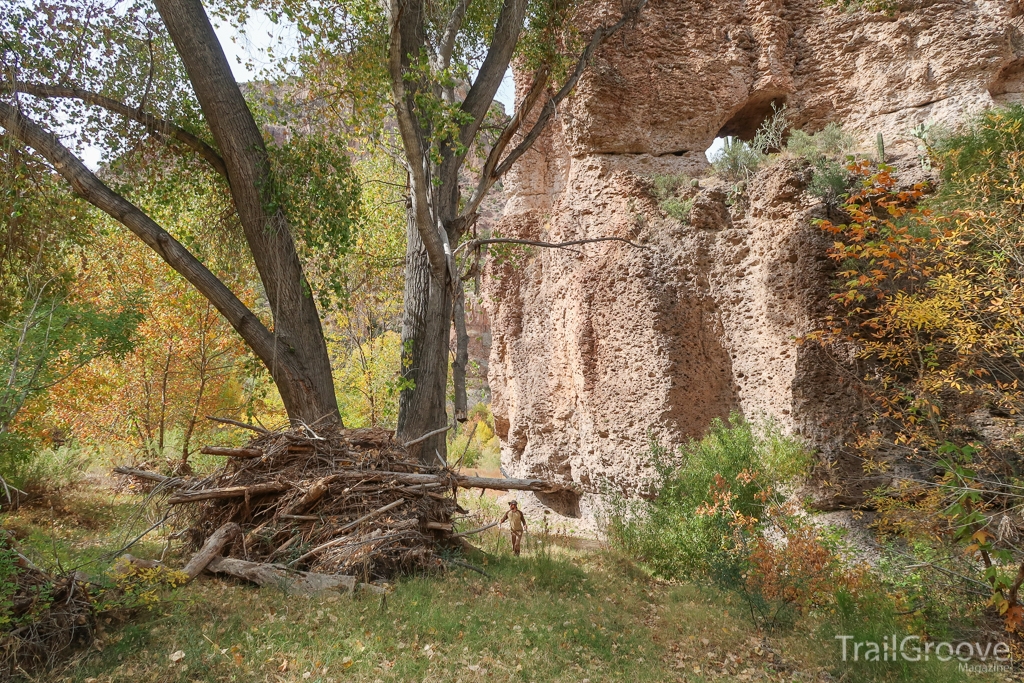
(565, 611)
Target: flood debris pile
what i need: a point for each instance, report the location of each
(305, 505)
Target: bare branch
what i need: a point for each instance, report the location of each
(427, 436)
(533, 94)
(152, 123)
(236, 423)
(473, 244)
(597, 39)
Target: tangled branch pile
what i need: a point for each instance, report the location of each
(341, 502)
(332, 502)
(44, 617)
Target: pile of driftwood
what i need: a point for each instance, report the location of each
(315, 509)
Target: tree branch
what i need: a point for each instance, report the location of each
(597, 39)
(451, 32)
(92, 189)
(473, 244)
(406, 27)
(533, 94)
(488, 79)
(154, 124)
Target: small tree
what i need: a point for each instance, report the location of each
(417, 57)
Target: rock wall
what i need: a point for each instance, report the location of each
(596, 351)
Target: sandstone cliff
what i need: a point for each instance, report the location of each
(594, 352)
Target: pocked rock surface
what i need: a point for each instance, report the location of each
(594, 352)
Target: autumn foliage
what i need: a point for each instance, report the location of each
(929, 297)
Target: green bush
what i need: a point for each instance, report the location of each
(737, 159)
(46, 469)
(677, 208)
(991, 146)
(832, 141)
(668, 535)
(666, 186)
(826, 150)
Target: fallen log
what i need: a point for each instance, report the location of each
(413, 479)
(289, 580)
(477, 530)
(213, 547)
(315, 493)
(147, 475)
(232, 452)
(228, 492)
(371, 515)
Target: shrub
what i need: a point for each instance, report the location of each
(929, 295)
(737, 159)
(771, 133)
(825, 150)
(53, 469)
(734, 464)
(677, 208)
(476, 445)
(832, 141)
(666, 188)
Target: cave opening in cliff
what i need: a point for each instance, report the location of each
(744, 123)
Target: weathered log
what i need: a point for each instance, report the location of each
(236, 423)
(478, 530)
(147, 475)
(213, 547)
(228, 492)
(345, 539)
(379, 511)
(439, 526)
(309, 499)
(232, 452)
(289, 580)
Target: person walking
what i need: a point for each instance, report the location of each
(516, 523)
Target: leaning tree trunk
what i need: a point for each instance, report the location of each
(298, 359)
(426, 326)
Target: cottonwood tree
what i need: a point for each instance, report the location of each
(407, 64)
(119, 71)
(418, 57)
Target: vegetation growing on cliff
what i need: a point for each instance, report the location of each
(929, 294)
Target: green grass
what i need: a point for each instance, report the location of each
(566, 611)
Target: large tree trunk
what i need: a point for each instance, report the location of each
(304, 378)
(425, 349)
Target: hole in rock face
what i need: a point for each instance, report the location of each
(747, 120)
(565, 503)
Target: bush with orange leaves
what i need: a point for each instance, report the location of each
(930, 294)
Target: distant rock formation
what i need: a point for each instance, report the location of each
(593, 354)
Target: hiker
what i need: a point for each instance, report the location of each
(516, 523)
